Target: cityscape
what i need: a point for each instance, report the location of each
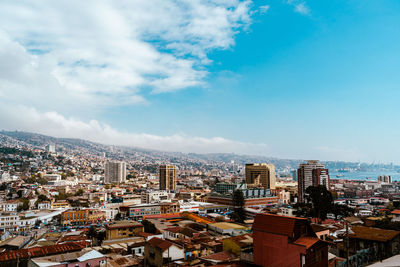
(196, 133)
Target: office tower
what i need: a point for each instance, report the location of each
(385, 178)
(167, 177)
(115, 172)
(311, 173)
(261, 174)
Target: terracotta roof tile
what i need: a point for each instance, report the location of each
(160, 243)
(306, 241)
(41, 251)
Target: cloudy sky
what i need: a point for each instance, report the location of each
(283, 78)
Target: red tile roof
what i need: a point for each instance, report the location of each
(176, 229)
(306, 241)
(41, 251)
(224, 256)
(160, 243)
(277, 224)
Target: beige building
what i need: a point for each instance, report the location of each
(261, 174)
(167, 177)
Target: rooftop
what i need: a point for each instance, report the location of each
(375, 234)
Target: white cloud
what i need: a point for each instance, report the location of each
(264, 9)
(53, 124)
(299, 6)
(107, 52)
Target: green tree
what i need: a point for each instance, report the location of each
(24, 206)
(79, 192)
(239, 214)
(321, 200)
(149, 227)
(3, 186)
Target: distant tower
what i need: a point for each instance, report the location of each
(115, 172)
(311, 173)
(262, 174)
(51, 148)
(167, 177)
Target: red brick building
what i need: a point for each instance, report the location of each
(280, 241)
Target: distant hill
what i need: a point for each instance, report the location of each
(80, 146)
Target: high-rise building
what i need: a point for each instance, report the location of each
(167, 177)
(115, 172)
(261, 174)
(311, 173)
(385, 178)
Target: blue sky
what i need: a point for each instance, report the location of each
(292, 79)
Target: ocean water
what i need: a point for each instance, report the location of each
(371, 176)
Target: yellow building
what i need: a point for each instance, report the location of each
(123, 230)
(261, 174)
(60, 204)
(82, 217)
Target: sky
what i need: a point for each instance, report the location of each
(280, 78)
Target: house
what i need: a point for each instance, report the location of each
(383, 243)
(287, 242)
(81, 258)
(159, 252)
(123, 229)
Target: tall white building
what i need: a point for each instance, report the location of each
(115, 172)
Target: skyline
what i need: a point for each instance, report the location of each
(285, 79)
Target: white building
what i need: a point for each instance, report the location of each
(115, 172)
(10, 205)
(154, 196)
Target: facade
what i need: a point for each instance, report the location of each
(137, 212)
(280, 241)
(82, 217)
(261, 175)
(154, 196)
(167, 177)
(123, 230)
(311, 173)
(115, 172)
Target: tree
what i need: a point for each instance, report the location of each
(79, 192)
(24, 206)
(3, 186)
(149, 227)
(321, 200)
(239, 214)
